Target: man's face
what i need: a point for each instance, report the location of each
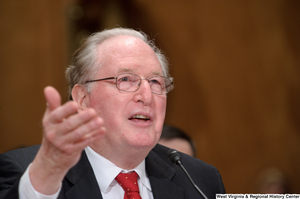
(125, 54)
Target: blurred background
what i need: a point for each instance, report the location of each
(235, 64)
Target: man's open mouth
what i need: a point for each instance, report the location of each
(140, 117)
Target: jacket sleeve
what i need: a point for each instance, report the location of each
(221, 185)
(12, 166)
(10, 174)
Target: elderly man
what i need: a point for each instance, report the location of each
(107, 134)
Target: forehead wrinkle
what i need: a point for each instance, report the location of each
(124, 47)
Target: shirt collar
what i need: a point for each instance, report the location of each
(105, 171)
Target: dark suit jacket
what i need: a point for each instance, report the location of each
(167, 180)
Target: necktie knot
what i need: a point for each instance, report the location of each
(128, 181)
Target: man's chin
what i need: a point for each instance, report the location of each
(143, 144)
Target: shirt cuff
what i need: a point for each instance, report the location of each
(27, 191)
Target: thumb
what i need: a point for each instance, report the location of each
(53, 98)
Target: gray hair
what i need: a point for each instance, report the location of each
(84, 65)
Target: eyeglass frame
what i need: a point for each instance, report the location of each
(116, 78)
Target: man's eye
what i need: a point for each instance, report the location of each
(154, 81)
(124, 79)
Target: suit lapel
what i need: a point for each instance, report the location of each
(81, 181)
(160, 175)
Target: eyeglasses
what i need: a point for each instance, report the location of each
(129, 82)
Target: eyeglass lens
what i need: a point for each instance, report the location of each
(131, 82)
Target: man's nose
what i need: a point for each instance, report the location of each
(145, 92)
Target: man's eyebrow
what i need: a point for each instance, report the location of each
(127, 70)
(157, 73)
(121, 70)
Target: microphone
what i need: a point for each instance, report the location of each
(176, 159)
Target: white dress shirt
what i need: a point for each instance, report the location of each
(26, 190)
(105, 172)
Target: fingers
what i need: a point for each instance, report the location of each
(53, 98)
(64, 125)
(61, 113)
(65, 128)
(76, 129)
(67, 132)
(84, 120)
(81, 137)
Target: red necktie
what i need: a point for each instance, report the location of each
(128, 182)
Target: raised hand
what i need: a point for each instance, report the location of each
(66, 132)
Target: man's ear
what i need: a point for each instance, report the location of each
(79, 95)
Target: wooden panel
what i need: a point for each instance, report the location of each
(236, 69)
(33, 55)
